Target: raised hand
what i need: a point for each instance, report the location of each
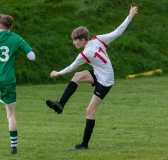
(133, 11)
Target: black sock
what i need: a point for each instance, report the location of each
(71, 88)
(90, 123)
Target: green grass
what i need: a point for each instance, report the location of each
(131, 123)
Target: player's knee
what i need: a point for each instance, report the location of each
(10, 116)
(90, 112)
(77, 77)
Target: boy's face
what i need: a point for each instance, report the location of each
(79, 43)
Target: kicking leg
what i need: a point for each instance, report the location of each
(83, 76)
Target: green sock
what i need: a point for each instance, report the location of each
(13, 138)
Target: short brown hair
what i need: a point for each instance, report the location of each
(80, 33)
(6, 21)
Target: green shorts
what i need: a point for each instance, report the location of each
(8, 93)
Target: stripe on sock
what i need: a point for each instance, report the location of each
(13, 137)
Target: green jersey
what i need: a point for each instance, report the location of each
(10, 44)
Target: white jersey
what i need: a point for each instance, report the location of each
(95, 55)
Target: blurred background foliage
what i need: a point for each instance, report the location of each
(47, 25)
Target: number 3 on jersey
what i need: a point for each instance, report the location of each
(98, 55)
(5, 55)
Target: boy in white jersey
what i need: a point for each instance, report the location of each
(10, 43)
(102, 76)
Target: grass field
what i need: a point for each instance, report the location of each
(131, 123)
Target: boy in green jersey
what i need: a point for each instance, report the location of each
(10, 44)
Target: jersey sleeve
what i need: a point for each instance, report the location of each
(24, 46)
(31, 56)
(109, 37)
(78, 61)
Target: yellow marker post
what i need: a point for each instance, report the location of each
(149, 73)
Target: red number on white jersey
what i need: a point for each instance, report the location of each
(98, 55)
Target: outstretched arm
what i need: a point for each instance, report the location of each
(78, 61)
(107, 38)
